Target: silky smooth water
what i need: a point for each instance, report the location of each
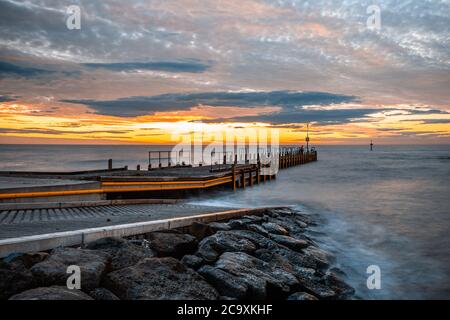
(389, 207)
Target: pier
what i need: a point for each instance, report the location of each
(166, 180)
(43, 210)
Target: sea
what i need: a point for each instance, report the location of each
(389, 207)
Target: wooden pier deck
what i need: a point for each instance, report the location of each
(37, 187)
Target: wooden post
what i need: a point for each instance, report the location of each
(109, 164)
(258, 170)
(243, 179)
(138, 167)
(233, 174)
(224, 159)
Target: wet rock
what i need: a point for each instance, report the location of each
(290, 242)
(14, 280)
(239, 224)
(274, 228)
(301, 296)
(342, 289)
(53, 270)
(219, 226)
(319, 257)
(159, 279)
(254, 218)
(192, 261)
(51, 293)
(314, 286)
(223, 241)
(123, 253)
(103, 294)
(258, 239)
(243, 276)
(225, 298)
(225, 283)
(294, 257)
(200, 230)
(259, 229)
(287, 223)
(308, 220)
(172, 244)
(27, 260)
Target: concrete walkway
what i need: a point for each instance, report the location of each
(18, 223)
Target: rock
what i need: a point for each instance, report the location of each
(219, 226)
(223, 241)
(192, 261)
(295, 258)
(314, 286)
(225, 298)
(259, 240)
(51, 293)
(225, 283)
(290, 242)
(274, 228)
(301, 296)
(14, 280)
(240, 275)
(123, 253)
(319, 257)
(103, 294)
(254, 219)
(53, 270)
(259, 229)
(239, 224)
(342, 289)
(281, 211)
(159, 279)
(200, 230)
(172, 244)
(27, 260)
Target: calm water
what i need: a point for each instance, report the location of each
(389, 207)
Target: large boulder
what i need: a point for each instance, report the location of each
(200, 230)
(227, 284)
(290, 242)
(239, 275)
(51, 293)
(172, 244)
(337, 284)
(159, 279)
(301, 296)
(274, 228)
(14, 279)
(25, 260)
(103, 294)
(219, 226)
(123, 253)
(53, 270)
(321, 258)
(192, 261)
(211, 247)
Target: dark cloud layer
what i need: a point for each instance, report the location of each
(8, 69)
(138, 106)
(7, 98)
(168, 66)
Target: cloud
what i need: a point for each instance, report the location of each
(57, 132)
(189, 66)
(138, 106)
(7, 98)
(301, 115)
(8, 69)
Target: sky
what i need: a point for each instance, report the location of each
(136, 71)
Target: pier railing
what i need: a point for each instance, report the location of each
(286, 156)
